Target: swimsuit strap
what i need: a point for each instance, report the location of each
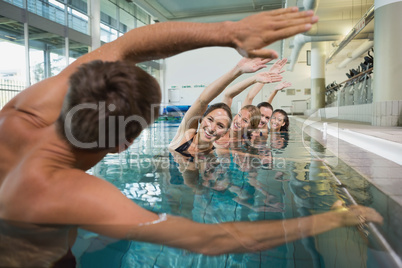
(182, 148)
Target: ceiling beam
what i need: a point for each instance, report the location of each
(217, 18)
(150, 9)
(5, 20)
(40, 36)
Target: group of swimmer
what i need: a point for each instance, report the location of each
(210, 129)
(206, 127)
(45, 192)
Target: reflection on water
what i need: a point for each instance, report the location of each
(272, 178)
(34, 245)
(263, 179)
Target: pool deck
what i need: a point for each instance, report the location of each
(374, 152)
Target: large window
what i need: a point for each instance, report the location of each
(51, 10)
(12, 59)
(77, 20)
(46, 54)
(76, 50)
(18, 3)
(109, 22)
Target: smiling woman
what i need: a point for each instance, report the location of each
(214, 124)
(247, 119)
(202, 126)
(279, 121)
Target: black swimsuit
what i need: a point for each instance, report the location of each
(184, 147)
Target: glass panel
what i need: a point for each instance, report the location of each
(140, 23)
(143, 66)
(156, 74)
(18, 3)
(77, 21)
(52, 10)
(151, 67)
(76, 50)
(36, 65)
(57, 58)
(107, 34)
(126, 21)
(79, 5)
(108, 13)
(127, 6)
(46, 54)
(143, 16)
(12, 59)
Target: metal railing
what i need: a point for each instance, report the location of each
(9, 88)
(353, 91)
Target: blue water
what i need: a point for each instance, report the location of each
(262, 180)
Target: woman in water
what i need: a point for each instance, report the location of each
(248, 118)
(265, 107)
(279, 121)
(202, 126)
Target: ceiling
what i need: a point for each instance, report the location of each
(336, 17)
(206, 10)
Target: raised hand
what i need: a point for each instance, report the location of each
(267, 77)
(283, 85)
(253, 33)
(247, 65)
(277, 66)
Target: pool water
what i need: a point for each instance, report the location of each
(282, 177)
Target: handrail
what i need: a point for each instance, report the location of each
(353, 78)
(377, 237)
(299, 100)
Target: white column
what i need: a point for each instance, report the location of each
(318, 56)
(27, 65)
(66, 39)
(387, 93)
(94, 23)
(387, 50)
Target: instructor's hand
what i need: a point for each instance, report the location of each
(251, 34)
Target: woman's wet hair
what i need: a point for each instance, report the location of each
(285, 127)
(219, 105)
(255, 115)
(285, 137)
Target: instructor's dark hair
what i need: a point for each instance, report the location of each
(108, 104)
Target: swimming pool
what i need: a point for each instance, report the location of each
(287, 178)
